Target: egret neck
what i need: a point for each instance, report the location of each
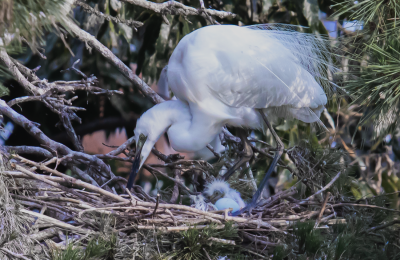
(188, 131)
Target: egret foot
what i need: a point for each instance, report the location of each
(247, 154)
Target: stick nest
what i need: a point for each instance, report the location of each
(54, 222)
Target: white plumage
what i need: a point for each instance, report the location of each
(201, 203)
(229, 75)
(226, 203)
(227, 70)
(218, 189)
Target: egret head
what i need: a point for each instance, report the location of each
(216, 189)
(145, 140)
(145, 135)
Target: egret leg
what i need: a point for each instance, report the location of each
(278, 154)
(246, 155)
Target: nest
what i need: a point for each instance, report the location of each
(64, 216)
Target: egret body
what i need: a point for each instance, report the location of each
(237, 76)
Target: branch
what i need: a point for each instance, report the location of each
(363, 205)
(150, 169)
(323, 189)
(90, 10)
(24, 99)
(54, 184)
(58, 148)
(18, 75)
(19, 256)
(321, 213)
(69, 179)
(168, 159)
(397, 221)
(110, 123)
(29, 150)
(122, 147)
(128, 73)
(176, 8)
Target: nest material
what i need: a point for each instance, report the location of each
(137, 224)
(60, 217)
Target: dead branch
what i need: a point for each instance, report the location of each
(176, 8)
(128, 73)
(89, 9)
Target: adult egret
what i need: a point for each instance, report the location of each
(237, 76)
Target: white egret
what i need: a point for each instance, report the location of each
(237, 76)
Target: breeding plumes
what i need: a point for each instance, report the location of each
(238, 76)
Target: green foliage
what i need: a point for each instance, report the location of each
(319, 164)
(373, 77)
(341, 241)
(194, 243)
(96, 248)
(28, 20)
(4, 91)
(309, 239)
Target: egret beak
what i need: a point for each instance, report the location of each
(136, 162)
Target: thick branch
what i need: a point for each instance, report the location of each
(60, 149)
(128, 73)
(29, 150)
(18, 75)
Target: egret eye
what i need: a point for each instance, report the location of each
(142, 140)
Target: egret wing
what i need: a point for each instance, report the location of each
(270, 67)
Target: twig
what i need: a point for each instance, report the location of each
(69, 179)
(323, 189)
(156, 207)
(18, 76)
(54, 184)
(151, 169)
(209, 258)
(122, 147)
(222, 241)
(125, 70)
(167, 159)
(89, 9)
(57, 223)
(209, 147)
(61, 149)
(42, 235)
(28, 150)
(397, 221)
(176, 8)
(363, 205)
(328, 194)
(19, 256)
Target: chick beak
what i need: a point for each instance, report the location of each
(135, 167)
(214, 198)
